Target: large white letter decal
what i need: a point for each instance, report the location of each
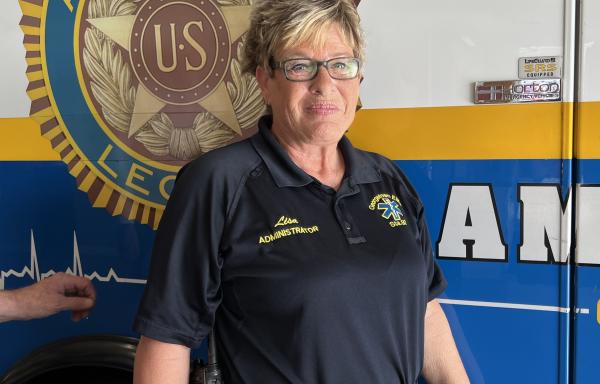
(588, 224)
(470, 229)
(545, 224)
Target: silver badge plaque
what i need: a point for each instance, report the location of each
(517, 91)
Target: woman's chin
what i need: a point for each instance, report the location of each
(327, 131)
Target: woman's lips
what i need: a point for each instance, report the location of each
(323, 109)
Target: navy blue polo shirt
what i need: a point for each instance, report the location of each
(303, 284)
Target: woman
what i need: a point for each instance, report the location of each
(310, 258)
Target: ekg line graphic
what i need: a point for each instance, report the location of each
(34, 273)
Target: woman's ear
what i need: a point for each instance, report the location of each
(262, 78)
(359, 102)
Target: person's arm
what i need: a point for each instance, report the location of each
(157, 362)
(441, 361)
(59, 292)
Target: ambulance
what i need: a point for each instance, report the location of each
(492, 109)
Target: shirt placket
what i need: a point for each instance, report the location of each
(344, 215)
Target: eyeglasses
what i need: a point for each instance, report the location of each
(301, 69)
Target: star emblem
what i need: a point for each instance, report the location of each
(179, 52)
(390, 209)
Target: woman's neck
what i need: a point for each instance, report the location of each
(324, 162)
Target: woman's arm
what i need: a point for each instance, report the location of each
(157, 362)
(441, 361)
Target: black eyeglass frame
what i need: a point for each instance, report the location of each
(281, 65)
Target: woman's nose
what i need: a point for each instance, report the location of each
(322, 83)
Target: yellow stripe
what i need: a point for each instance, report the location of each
(60, 146)
(87, 182)
(33, 76)
(28, 30)
(157, 217)
(20, 140)
(30, 9)
(32, 46)
(51, 134)
(145, 215)
(37, 93)
(77, 168)
(103, 196)
(120, 205)
(567, 130)
(134, 209)
(69, 156)
(510, 131)
(587, 136)
(518, 131)
(44, 115)
(33, 60)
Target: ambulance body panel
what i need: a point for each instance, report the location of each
(507, 187)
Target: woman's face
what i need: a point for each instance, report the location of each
(317, 111)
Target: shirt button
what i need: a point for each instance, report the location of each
(347, 226)
(256, 172)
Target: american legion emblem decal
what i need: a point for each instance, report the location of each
(128, 91)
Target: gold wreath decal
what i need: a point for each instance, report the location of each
(113, 87)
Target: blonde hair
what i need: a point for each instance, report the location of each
(279, 24)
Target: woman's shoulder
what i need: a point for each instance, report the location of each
(381, 163)
(389, 169)
(223, 165)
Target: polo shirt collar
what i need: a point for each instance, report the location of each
(287, 174)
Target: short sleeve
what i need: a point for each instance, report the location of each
(435, 278)
(436, 282)
(183, 288)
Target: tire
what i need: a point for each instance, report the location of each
(94, 359)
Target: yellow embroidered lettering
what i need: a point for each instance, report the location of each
(263, 239)
(286, 221)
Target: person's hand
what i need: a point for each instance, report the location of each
(59, 292)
